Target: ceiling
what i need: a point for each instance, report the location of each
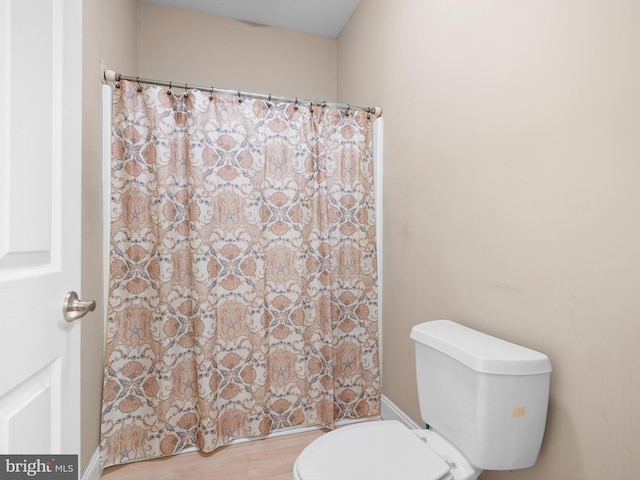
(318, 17)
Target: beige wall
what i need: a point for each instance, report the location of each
(512, 197)
(109, 33)
(510, 181)
(186, 46)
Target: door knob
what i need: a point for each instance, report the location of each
(75, 309)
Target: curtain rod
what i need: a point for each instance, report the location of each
(111, 76)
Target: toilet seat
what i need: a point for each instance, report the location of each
(373, 451)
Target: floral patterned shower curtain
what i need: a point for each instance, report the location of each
(243, 280)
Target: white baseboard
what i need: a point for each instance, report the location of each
(391, 411)
(92, 470)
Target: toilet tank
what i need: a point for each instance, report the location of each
(487, 396)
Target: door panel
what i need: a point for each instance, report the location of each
(40, 145)
(30, 407)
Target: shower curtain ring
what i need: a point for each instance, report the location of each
(186, 90)
(139, 86)
(170, 85)
(239, 97)
(295, 106)
(211, 95)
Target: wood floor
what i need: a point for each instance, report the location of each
(269, 459)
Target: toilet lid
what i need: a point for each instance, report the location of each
(373, 450)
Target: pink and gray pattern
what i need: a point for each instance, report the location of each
(243, 278)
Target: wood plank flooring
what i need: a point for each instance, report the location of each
(268, 459)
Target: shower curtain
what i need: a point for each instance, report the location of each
(243, 278)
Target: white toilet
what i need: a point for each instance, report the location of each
(485, 403)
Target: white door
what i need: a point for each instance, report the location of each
(40, 150)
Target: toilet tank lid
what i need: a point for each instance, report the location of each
(479, 351)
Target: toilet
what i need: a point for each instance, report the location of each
(483, 400)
